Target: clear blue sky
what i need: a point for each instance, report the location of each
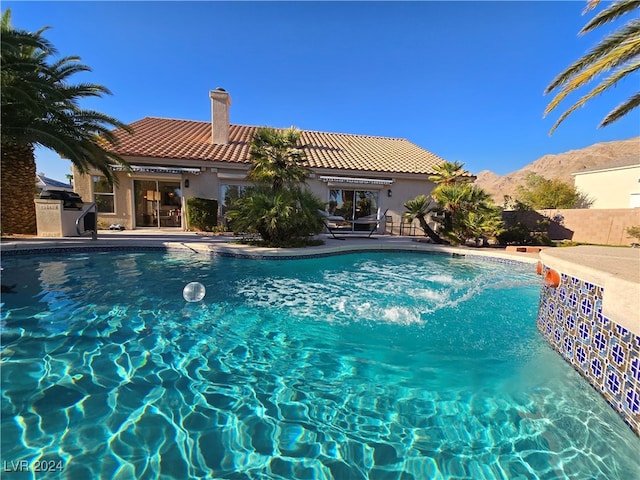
(464, 80)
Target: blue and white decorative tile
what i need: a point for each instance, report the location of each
(605, 354)
(562, 294)
(558, 334)
(631, 401)
(572, 300)
(551, 309)
(581, 359)
(586, 307)
(600, 342)
(568, 347)
(617, 353)
(613, 383)
(622, 333)
(601, 321)
(634, 369)
(597, 369)
(560, 314)
(570, 323)
(584, 331)
(588, 288)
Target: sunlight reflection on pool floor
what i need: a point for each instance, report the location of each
(357, 366)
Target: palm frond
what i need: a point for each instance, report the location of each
(604, 85)
(630, 32)
(591, 4)
(609, 14)
(15, 41)
(621, 110)
(613, 59)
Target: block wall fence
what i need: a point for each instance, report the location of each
(589, 225)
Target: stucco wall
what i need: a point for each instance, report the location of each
(207, 185)
(402, 189)
(124, 212)
(53, 220)
(615, 188)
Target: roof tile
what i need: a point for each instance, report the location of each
(191, 140)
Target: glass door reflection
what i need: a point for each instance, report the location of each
(157, 203)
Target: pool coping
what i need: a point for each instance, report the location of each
(616, 270)
(225, 246)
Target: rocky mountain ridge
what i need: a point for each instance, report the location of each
(562, 166)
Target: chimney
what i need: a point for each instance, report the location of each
(220, 102)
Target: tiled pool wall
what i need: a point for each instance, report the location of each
(606, 354)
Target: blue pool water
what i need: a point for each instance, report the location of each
(379, 366)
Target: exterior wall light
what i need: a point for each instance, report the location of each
(186, 183)
(389, 193)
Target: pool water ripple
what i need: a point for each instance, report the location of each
(358, 366)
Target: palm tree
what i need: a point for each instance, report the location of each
(276, 207)
(619, 51)
(278, 158)
(419, 208)
(40, 107)
(450, 172)
(463, 205)
(482, 223)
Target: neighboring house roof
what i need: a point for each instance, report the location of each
(630, 161)
(46, 183)
(191, 140)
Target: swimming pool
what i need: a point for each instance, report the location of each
(371, 365)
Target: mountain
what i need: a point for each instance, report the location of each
(562, 166)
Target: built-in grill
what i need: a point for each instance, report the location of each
(71, 200)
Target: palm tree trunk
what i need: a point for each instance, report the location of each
(18, 210)
(429, 231)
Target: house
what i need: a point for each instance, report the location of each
(172, 160)
(614, 185)
(46, 183)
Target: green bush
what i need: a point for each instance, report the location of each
(634, 232)
(283, 218)
(202, 214)
(519, 234)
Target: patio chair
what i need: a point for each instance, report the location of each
(333, 222)
(373, 221)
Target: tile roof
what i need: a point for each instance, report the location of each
(191, 140)
(627, 161)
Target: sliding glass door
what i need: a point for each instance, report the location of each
(353, 204)
(157, 203)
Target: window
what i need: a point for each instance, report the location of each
(103, 195)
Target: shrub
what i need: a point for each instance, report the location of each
(202, 214)
(103, 224)
(540, 193)
(634, 232)
(282, 218)
(519, 234)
